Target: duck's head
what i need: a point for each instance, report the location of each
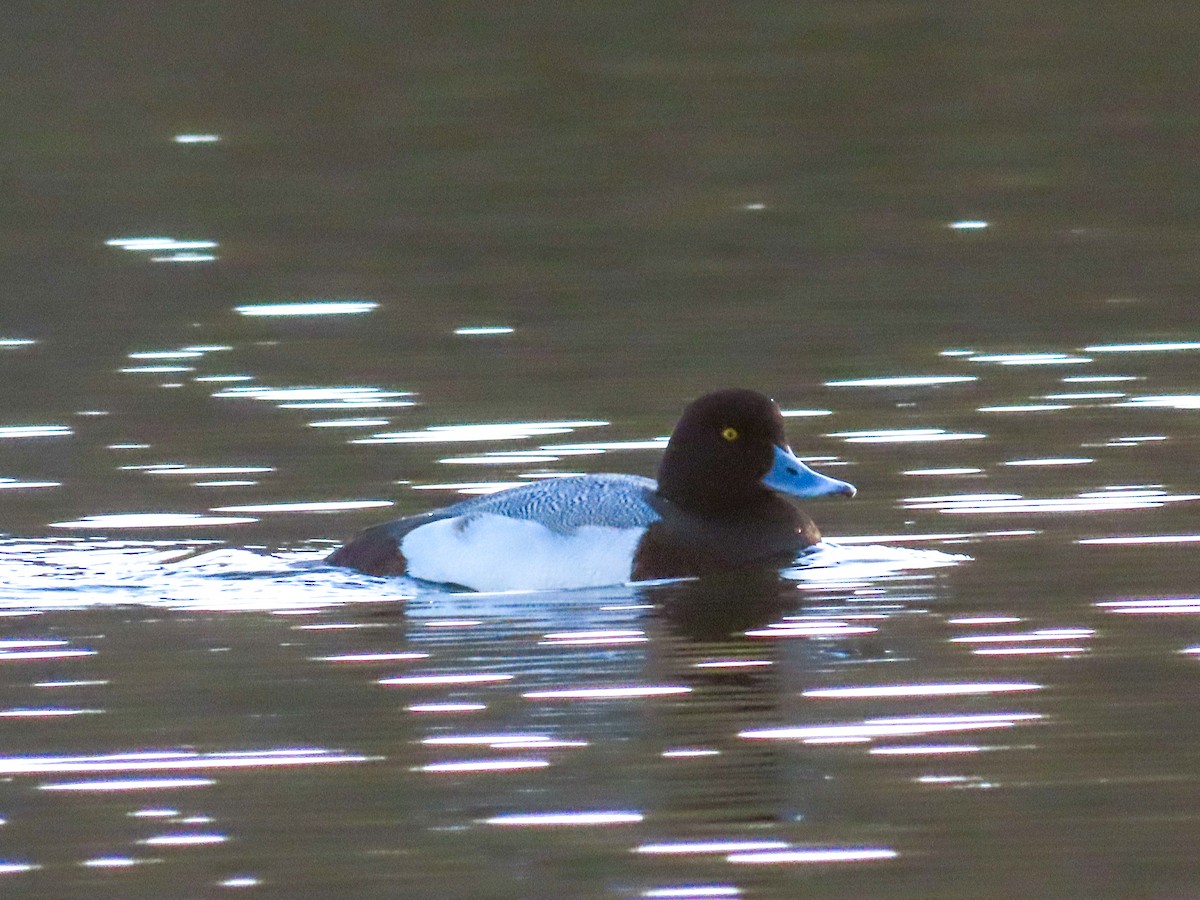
(729, 451)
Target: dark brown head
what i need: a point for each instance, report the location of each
(729, 452)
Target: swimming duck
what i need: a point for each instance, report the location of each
(715, 507)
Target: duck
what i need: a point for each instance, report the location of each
(722, 502)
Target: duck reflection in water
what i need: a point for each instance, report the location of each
(722, 606)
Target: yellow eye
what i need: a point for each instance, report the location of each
(729, 433)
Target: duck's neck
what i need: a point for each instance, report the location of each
(725, 503)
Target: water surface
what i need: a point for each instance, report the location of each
(276, 273)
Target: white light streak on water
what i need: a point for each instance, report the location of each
(846, 854)
(184, 840)
(240, 881)
(143, 244)
(482, 330)
(926, 750)
(173, 469)
(890, 727)
(1024, 407)
(12, 484)
(960, 470)
(917, 538)
(812, 630)
(16, 342)
(349, 423)
(46, 713)
(1013, 503)
(1145, 539)
(1098, 379)
(167, 354)
(445, 707)
(925, 690)
(325, 506)
(589, 638)
(692, 892)
(984, 620)
(90, 682)
(679, 848)
(155, 370)
(536, 744)
(484, 765)
(1027, 651)
(1030, 359)
(733, 664)
(370, 657)
(340, 396)
(838, 739)
(175, 760)
(1041, 634)
(905, 436)
(805, 413)
(1157, 606)
(1052, 461)
(196, 138)
(1135, 440)
(968, 225)
(658, 443)
(1152, 347)
(314, 308)
(365, 403)
(469, 487)
(459, 678)
(686, 753)
(500, 459)
(607, 693)
(128, 784)
(491, 431)
(8, 432)
(111, 862)
(152, 520)
(566, 818)
(43, 654)
(903, 381)
(1086, 395)
(501, 741)
(9, 867)
(1169, 401)
(184, 257)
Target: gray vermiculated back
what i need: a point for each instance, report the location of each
(564, 504)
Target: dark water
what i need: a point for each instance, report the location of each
(983, 686)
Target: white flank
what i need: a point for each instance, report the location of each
(487, 552)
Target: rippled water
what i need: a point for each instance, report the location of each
(277, 272)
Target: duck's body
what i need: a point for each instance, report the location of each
(713, 508)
